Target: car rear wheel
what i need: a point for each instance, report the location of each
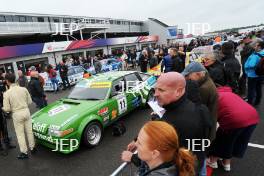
(92, 134)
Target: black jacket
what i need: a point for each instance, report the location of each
(191, 121)
(217, 73)
(153, 62)
(177, 64)
(35, 88)
(63, 69)
(143, 61)
(185, 115)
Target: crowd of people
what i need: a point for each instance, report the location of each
(205, 100)
(214, 100)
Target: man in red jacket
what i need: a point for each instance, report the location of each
(237, 121)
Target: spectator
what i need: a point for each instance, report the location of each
(196, 72)
(22, 80)
(143, 61)
(237, 121)
(133, 56)
(36, 90)
(232, 66)
(246, 51)
(153, 61)
(215, 68)
(182, 54)
(124, 59)
(18, 106)
(53, 78)
(159, 147)
(167, 63)
(177, 62)
(254, 80)
(97, 65)
(4, 137)
(161, 55)
(181, 113)
(63, 69)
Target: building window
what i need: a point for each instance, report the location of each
(2, 19)
(29, 19)
(66, 20)
(15, 18)
(22, 19)
(8, 18)
(118, 22)
(99, 21)
(56, 20)
(40, 19)
(111, 21)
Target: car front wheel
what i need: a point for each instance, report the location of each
(92, 134)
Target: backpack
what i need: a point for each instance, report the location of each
(260, 66)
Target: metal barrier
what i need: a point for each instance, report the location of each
(120, 170)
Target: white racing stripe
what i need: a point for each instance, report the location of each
(256, 145)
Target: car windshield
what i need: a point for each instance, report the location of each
(86, 93)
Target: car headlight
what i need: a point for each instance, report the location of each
(59, 133)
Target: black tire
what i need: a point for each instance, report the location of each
(93, 134)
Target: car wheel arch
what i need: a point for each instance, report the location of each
(86, 121)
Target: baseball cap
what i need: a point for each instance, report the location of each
(193, 67)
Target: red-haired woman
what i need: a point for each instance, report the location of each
(158, 146)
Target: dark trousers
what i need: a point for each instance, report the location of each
(40, 102)
(231, 143)
(3, 128)
(254, 90)
(65, 81)
(242, 84)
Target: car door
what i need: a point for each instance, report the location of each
(134, 98)
(118, 99)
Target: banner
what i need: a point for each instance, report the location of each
(41, 48)
(20, 50)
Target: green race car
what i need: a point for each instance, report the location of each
(93, 104)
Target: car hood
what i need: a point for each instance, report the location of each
(62, 112)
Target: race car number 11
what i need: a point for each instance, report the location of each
(122, 105)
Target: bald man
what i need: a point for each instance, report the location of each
(170, 87)
(191, 121)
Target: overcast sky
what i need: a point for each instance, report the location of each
(220, 14)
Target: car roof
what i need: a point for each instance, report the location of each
(110, 76)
